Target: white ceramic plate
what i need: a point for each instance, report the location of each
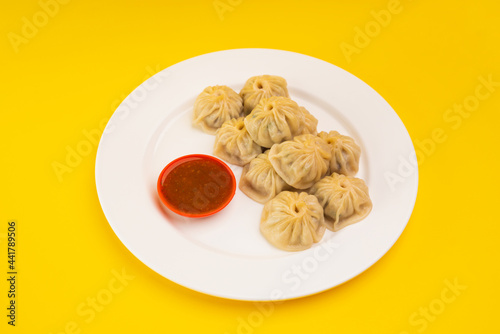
(225, 255)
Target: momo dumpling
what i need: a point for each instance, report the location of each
(214, 106)
(310, 122)
(345, 153)
(275, 120)
(301, 162)
(259, 180)
(344, 199)
(259, 87)
(233, 143)
(292, 221)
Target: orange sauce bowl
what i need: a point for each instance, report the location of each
(196, 185)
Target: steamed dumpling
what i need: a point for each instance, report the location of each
(345, 153)
(259, 87)
(310, 122)
(345, 200)
(275, 120)
(292, 221)
(233, 143)
(214, 106)
(259, 180)
(301, 162)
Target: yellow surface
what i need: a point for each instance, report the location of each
(65, 77)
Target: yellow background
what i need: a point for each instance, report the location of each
(69, 75)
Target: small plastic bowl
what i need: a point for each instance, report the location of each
(179, 161)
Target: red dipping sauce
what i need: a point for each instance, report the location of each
(196, 185)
